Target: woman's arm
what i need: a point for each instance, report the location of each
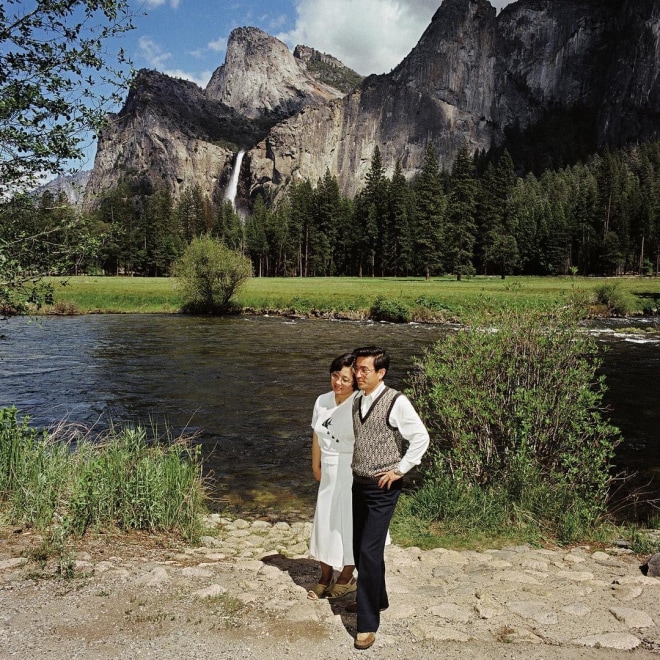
(316, 458)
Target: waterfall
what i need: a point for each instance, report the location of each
(230, 193)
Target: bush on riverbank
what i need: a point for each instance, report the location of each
(66, 482)
(209, 274)
(514, 409)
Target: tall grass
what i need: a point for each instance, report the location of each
(66, 479)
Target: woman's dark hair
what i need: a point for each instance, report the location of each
(341, 361)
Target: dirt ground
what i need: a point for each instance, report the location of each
(142, 596)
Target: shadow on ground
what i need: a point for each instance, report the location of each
(304, 573)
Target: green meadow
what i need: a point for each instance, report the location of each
(440, 298)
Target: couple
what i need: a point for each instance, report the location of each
(357, 455)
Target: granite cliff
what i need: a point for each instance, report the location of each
(175, 134)
(473, 78)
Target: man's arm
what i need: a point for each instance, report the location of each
(405, 418)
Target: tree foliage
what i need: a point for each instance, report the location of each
(210, 274)
(601, 217)
(43, 236)
(53, 62)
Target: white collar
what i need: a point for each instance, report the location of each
(375, 393)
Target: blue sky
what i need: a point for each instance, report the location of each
(187, 38)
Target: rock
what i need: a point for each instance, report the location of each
(210, 542)
(614, 640)
(576, 576)
(576, 609)
(473, 74)
(626, 592)
(196, 572)
(261, 77)
(459, 604)
(535, 610)
(154, 578)
(632, 618)
(440, 633)
(451, 612)
(15, 562)
(651, 567)
(211, 591)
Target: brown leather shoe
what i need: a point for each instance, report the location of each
(364, 640)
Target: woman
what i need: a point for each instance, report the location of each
(332, 452)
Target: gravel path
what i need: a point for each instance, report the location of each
(242, 594)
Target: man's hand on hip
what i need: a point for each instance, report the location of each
(386, 479)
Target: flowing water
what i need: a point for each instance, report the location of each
(246, 387)
(232, 187)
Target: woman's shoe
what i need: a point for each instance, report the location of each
(340, 590)
(318, 591)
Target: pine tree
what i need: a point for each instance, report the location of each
(398, 239)
(430, 208)
(229, 227)
(373, 210)
(255, 236)
(496, 247)
(461, 212)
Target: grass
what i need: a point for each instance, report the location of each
(409, 529)
(91, 294)
(64, 482)
(441, 298)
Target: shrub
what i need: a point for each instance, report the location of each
(210, 274)
(513, 406)
(428, 302)
(389, 310)
(617, 300)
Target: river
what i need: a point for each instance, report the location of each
(246, 386)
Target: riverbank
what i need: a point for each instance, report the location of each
(439, 299)
(242, 594)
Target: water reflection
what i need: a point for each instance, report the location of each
(246, 386)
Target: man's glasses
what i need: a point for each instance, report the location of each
(364, 371)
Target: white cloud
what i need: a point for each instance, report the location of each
(159, 3)
(219, 45)
(153, 53)
(370, 36)
(159, 59)
(200, 79)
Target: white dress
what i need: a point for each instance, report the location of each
(332, 532)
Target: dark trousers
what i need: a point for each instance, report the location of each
(373, 508)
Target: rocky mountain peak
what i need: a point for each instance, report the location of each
(327, 69)
(262, 78)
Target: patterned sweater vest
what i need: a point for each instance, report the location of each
(377, 444)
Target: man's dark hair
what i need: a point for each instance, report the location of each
(380, 356)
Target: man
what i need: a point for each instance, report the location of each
(382, 419)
